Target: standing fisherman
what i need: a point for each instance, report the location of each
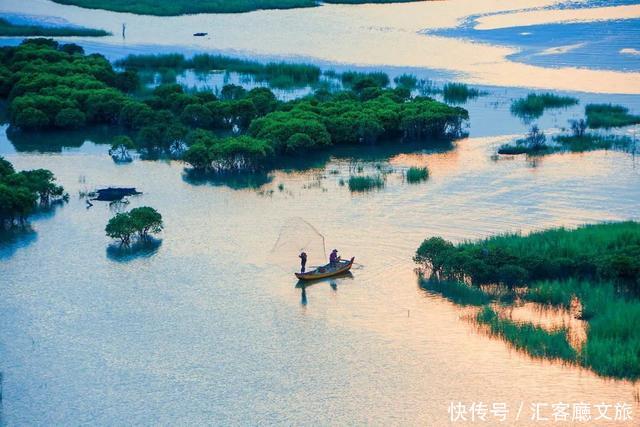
(303, 261)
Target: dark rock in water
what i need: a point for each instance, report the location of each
(199, 34)
(110, 194)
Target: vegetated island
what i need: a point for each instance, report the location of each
(579, 140)
(534, 105)
(21, 193)
(52, 86)
(594, 270)
(186, 7)
(7, 29)
(276, 74)
(140, 222)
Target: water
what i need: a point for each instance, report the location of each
(392, 35)
(206, 326)
(209, 326)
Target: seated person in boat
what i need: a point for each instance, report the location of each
(334, 259)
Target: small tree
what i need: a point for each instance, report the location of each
(146, 220)
(433, 252)
(142, 220)
(120, 147)
(535, 138)
(121, 227)
(578, 127)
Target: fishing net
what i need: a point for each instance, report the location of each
(297, 235)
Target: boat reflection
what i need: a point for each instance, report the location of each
(333, 283)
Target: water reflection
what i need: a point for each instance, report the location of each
(142, 248)
(15, 238)
(332, 281)
(59, 140)
(235, 181)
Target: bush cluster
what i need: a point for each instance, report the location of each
(141, 221)
(605, 252)
(21, 192)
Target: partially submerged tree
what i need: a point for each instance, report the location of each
(141, 221)
(146, 220)
(20, 192)
(120, 147)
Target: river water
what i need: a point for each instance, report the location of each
(207, 325)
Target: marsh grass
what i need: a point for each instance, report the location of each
(362, 183)
(593, 270)
(459, 93)
(277, 74)
(609, 116)
(415, 174)
(184, 7)
(534, 104)
(456, 292)
(550, 293)
(613, 338)
(7, 29)
(592, 142)
(535, 340)
(570, 143)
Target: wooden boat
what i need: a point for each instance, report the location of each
(327, 271)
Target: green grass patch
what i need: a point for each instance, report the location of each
(278, 74)
(456, 292)
(569, 143)
(599, 265)
(415, 174)
(592, 142)
(458, 93)
(609, 116)
(365, 182)
(185, 7)
(534, 104)
(7, 29)
(518, 148)
(613, 338)
(536, 341)
(551, 293)
(608, 251)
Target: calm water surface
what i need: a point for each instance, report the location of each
(398, 35)
(209, 326)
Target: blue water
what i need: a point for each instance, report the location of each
(599, 44)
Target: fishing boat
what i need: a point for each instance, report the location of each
(342, 266)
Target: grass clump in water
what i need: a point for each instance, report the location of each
(365, 182)
(458, 93)
(608, 251)
(594, 268)
(415, 174)
(591, 142)
(277, 74)
(187, 7)
(551, 293)
(456, 292)
(536, 341)
(613, 338)
(535, 143)
(534, 104)
(408, 81)
(609, 116)
(7, 29)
